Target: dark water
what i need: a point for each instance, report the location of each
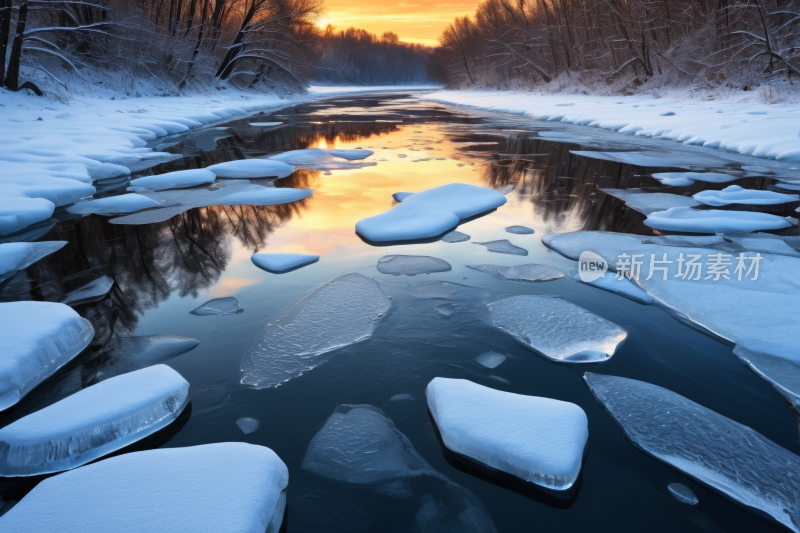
(163, 271)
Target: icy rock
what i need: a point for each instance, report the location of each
(175, 180)
(557, 329)
(151, 349)
(429, 213)
(683, 179)
(531, 273)
(682, 493)
(623, 287)
(650, 202)
(455, 236)
(411, 265)
(342, 312)
(730, 458)
(114, 205)
(91, 292)
(248, 425)
(400, 196)
(715, 221)
(219, 306)
(320, 159)
(227, 486)
(18, 212)
(251, 168)
(15, 256)
(733, 194)
(503, 247)
(93, 422)
(36, 339)
(519, 230)
(491, 359)
(282, 262)
(539, 440)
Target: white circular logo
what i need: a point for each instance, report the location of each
(591, 267)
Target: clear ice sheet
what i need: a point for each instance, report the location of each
(682, 493)
(503, 247)
(651, 202)
(15, 256)
(92, 291)
(519, 230)
(690, 220)
(228, 305)
(455, 236)
(491, 359)
(531, 273)
(152, 349)
(248, 425)
(782, 374)
(411, 265)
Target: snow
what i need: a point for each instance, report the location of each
(175, 180)
(228, 305)
(734, 194)
(400, 196)
(519, 230)
(251, 168)
(215, 487)
(455, 236)
(690, 220)
(93, 422)
(151, 349)
(91, 292)
(682, 493)
(429, 213)
(321, 159)
(17, 213)
(557, 329)
(623, 287)
(538, 440)
(342, 312)
(282, 262)
(734, 460)
(38, 339)
(491, 359)
(684, 179)
(16, 256)
(503, 247)
(114, 205)
(531, 273)
(411, 265)
(650, 202)
(248, 425)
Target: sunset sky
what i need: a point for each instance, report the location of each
(417, 21)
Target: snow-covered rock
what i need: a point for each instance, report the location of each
(36, 339)
(91, 292)
(322, 159)
(455, 236)
(20, 212)
(531, 273)
(429, 213)
(175, 180)
(650, 202)
(491, 359)
(623, 287)
(682, 493)
(93, 422)
(221, 487)
(733, 194)
(228, 305)
(690, 220)
(114, 205)
(248, 425)
(251, 168)
(539, 440)
(282, 262)
(519, 230)
(557, 329)
(15, 256)
(411, 265)
(503, 247)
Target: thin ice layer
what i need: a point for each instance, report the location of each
(342, 312)
(653, 158)
(503, 247)
(690, 220)
(93, 422)
(152, 349)
(683, 179)
(17, 213)
(519, 230)
(730, 458)
(16, 256)
(782, 374)
(733, 194)
(557, 329)
(682, 493)
(251, 168)
(650, 202)
(227, 486)
(411, 265)
(322, 159)
(92, 291)
(114, 205)
(491, 359)
(531, 273)
(539, 440)
(282, 262)
(623, 287)
(175, 180)
(455, 236)
(36, 339)
(228, 305)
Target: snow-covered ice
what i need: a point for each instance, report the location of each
(36, 339)
(733, 459)
(91, 292)
(228, 305)
(114, 205)
(175, 180)
(282, 262)
(247, 424)
(623, 287)
(455, 236)
(429, 213)
(650, 202)
(151, 349)
(342, 312)
(503, 246)
(400, 196)
(251, 168)
(491, 359)
(531, 273)
(322, 159)
(93, 422)
(59, 191)
(690, 220)
(682, 493)
(227, 486)
(539, 440)
(19, 212)
(557, 329)
(733, 194)
(684, 179)
(15, 256)
(519, 230)
(411, 265)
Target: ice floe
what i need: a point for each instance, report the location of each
(503, 247)
(438, 290)
(519, 230)
(91, 292)
(684, 179)
(342, 312)
(690, 220)
(15, 256)
(37, 338)
(17, 213)
(400, 196)
(114, 205)
(93, 422)
(650, 202)
(539, 440)
(491, 359)
(175, 180)
(732, 459)
(733, 194)
(557, 329)
(623, 287)
(682, 493)
(531, 273)
(248, 425)
(228, 305)
(429, 213)
(455, 236)
(282, 262)
(151, 349)
(321, 159)
(60, 191)
(251, 168)
(411, 265)
(227, 486)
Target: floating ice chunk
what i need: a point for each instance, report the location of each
(650, 202)
(446, 309)
(91, 292)
(319, 159)
(411, 265)
(152, 349)
(685, 240)
(176, 180)
(652, 158)
(539, 440)
(283, 262)
(60, 191)
(36, 339)
(782, 374)
(557, 329)
(714, 221)
(519, 230)
(429, 213)
(93, 422)
(226, 486)
(455, 236)
(491, 359)
(623, 287)
(401, 398)
(265, 196)
(400, 196)
(265, 124)
(730, 458)
(248, 425)
(219, 306)
(18, 212)
(342, 312)
(531, 273)
(114, 205)
(251, 168)
(503, 247)
(15, 256)
(682, 179)
(682, 493)
(734, 194)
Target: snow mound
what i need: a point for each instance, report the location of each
(557, 329)
(682, 493)
(650, 202)
(503, 247)
(320, 159)
(342, 312)
(491, 359)
(152, 349)
(519, 230)
(248, 425)
(539, 440)
(17, 213)
(227, 486)
(282, 262)
(91, 292)
(734, 194)
(623, 287)
(429, 213)
(251, 168)
(690, 220)
(38, 338)
(531, 273)
(684, 179)
(400, 196)
(730, 458)
(114, 205)
(175, 180)
(411, 265)
(455, 236)
(93, 422)
(228, 305)
(16, 256)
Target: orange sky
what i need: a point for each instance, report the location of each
(417, 21)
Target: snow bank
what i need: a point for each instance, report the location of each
(175, 180)
(734, 194)
(282, 262)
(531, 273)
(650, 202)
(690, 220)
(411, 265)
(16, 256)
(251, 168)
